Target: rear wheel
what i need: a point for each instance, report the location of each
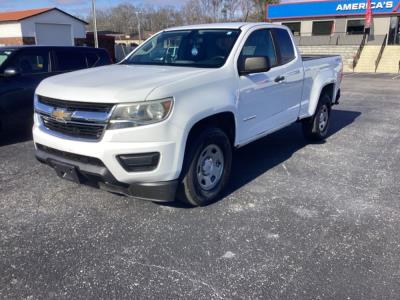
(316, 128)
(207, 167)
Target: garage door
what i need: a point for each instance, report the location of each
(53, 34)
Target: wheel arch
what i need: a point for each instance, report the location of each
(329, 89)
(224, 120)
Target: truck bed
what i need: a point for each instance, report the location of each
(312, 62)
(314, 57)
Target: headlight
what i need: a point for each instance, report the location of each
(140, 113)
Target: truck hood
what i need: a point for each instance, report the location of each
(113, 84)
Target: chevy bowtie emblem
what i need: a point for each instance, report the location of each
(61, 115)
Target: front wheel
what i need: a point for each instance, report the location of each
(316, 128)
(206, 167)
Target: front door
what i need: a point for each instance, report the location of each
(269, 100)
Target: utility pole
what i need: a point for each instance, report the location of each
(138, 20)
(224, 12)
(96, 40)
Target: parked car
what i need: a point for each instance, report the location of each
(163, 123)
(23, 68)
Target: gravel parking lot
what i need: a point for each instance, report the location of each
(300, 221)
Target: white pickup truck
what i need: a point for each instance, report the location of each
(162, 124)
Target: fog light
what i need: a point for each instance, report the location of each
(139, 162)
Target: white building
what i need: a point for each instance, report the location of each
(44, 26)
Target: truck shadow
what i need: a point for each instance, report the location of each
(257, 158)
(260, 156)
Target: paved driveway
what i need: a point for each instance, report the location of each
(299, 221)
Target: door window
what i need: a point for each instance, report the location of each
(92, 59)
(285, 44)
(4, 55)
(260, 43)
(31, 62)
(68, 60)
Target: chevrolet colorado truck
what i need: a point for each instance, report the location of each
(162, 124)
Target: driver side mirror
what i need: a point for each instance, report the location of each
(10, 72)
(256, 64)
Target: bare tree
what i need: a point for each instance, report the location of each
(232, 9)
(123, 18)
(261, 7)
(247, 9)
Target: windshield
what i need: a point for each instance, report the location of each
(4, 54)
(208, 48)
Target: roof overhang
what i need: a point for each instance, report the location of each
(337, 8)
(16, 16)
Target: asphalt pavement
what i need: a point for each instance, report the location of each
(299, 221)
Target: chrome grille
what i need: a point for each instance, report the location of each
(81, 130)
(78, 119)
(75, 105)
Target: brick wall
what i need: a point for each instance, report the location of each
(10, 41)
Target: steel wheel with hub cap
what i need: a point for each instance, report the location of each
(210, 166)
(323, 118)
(206, 168)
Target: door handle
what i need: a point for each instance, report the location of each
(279, 79)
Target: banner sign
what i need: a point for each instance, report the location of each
(330, 8)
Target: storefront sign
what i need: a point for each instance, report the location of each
(330, 8)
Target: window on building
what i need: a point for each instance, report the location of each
(355, 27)
(294, 27)
(322, 27)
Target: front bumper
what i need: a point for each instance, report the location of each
(165, 139)
(91, 171)
(110, 164)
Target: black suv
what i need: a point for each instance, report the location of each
(23, 68)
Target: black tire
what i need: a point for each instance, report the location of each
(193, 190)
(316, 128)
